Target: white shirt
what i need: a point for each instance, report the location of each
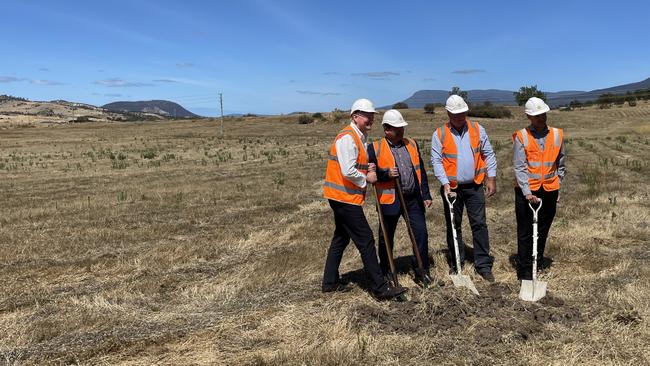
(347, 153)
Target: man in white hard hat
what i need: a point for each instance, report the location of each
(464, 163)
(348, 173)
(538, 162)
(397, 156)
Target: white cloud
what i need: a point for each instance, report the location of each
(377, 75)
(46, 82)
(310, 92)
(467, 71)
(9, 79)
(120, 83)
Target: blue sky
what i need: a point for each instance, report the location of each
(284, 56)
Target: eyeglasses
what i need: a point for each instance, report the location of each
(368, 116)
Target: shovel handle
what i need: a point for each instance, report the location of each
(387, 243)
(535, 211)
(451, 198)
(416, 251)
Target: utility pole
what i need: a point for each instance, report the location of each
(221, 102)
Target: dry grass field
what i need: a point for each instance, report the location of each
(163, 243)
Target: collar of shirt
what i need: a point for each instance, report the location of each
(362, 136)
(399, 144)
(536, 134)
(455, 131)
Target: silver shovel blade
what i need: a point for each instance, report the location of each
(463, 281)
(532, 290)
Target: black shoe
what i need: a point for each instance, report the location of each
(390, 292)
(488, 276)
(337, 287)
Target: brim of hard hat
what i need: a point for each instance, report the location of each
(396, 124)
(537, 113)
(462, 110)
(361, 110)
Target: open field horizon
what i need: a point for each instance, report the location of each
(165, 243)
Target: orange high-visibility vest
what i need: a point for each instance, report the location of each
(336, 186)
(450, 153)
(542, 170)
(385, 161)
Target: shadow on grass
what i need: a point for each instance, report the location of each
(469, 256)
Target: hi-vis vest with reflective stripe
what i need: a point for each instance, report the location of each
(542, 170)
(336, 186)
(386, 160)
(450, 153)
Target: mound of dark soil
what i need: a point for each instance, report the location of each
(496, 315)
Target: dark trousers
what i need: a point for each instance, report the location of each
(472, 197)
(525, 226)
(351, 223)
(415, 210)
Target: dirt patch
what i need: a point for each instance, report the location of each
(496, 315)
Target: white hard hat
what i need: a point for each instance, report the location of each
(535, 106)
(363, 105)
(455, 104)
(393, 118)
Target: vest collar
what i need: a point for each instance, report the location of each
(358, 131)
(455, 131)
(536, 134)
(401, 143)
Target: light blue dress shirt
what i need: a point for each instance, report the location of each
(465, 162)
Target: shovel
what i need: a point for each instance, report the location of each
(426, 280)
(533, 290)
(392, 276)
(458, 279)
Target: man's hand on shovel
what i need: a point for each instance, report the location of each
(371, 177)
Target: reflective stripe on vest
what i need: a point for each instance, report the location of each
(345, 189)
(386, 160)
(542, 168)
(336, 186)
(356, 165)
(450, 153)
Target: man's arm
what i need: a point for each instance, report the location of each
(382, 174)
(346, 153)
(488, 153)
(490, 161)
(436, 160)
(560, 163)
(520, 165)
(561, 167)
(424, 187)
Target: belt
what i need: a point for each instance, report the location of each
(468, 185)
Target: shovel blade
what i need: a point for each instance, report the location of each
(463, 281)
(532, 290)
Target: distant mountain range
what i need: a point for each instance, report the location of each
(160, 107)
(496, 96)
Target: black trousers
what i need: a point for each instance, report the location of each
(415, 210)
(525, 226)
(472, 197)
(351, 223)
